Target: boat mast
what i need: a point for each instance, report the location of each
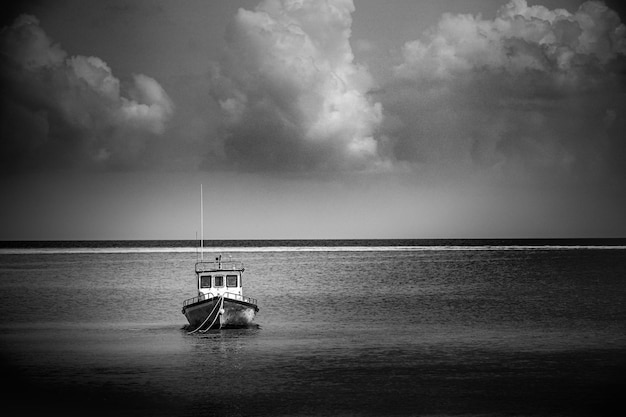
(201, 227)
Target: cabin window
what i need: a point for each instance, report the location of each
(231, 280)
(205, 281)
(219, 281)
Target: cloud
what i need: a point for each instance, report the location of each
(532, 92)
(60, 111)
(291, 95)
(519, 39)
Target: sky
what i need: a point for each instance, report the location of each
(312, 119)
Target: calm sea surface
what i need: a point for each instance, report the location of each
(443, 328)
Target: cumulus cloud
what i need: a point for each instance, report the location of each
(60, 111)
(532, 90)
(291, 95)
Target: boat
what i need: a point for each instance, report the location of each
(220, 303)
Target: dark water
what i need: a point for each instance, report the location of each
(442, 328)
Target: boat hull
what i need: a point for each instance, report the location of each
(234, 314)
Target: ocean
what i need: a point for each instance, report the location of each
(345, 328)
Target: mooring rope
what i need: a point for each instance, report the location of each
(219, 303)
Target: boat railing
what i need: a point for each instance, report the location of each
(209, 296)
(218, 265)
(240, 297)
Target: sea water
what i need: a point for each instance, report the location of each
(360, 328)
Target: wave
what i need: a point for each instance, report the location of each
(255, 249)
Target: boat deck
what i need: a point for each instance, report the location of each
(227, 295)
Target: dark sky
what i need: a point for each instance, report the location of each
(313, 119)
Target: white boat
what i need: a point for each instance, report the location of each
(220, 302)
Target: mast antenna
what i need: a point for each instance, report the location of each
(201, 226)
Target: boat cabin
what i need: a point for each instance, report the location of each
(216, 279)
